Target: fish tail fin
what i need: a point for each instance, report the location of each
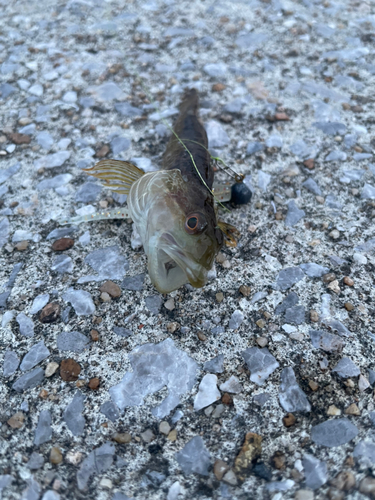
(118, 175)
(231, 233)
(116, 213)
(190, 103)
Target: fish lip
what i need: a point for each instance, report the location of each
(170, 246)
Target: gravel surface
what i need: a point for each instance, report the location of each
(259, 385)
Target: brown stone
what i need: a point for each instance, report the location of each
(50, 313)
(43, 394)
(314, 316)
(69, 370)
(55, 456)
(248, 455)
(313, 385)
(281, 117)
(279, 460)
(348, 281)
(226, 118)
(17, 138)
(202, 337)
(244, 290)
(62, 244)
(219, 297)
(220, 468)
(310, 164)
(122, 437)
(327, 278)
(218, 87)
(94, 383)
(344, 481)
(367, 486)
(261, 341)
(22, 245)
(103, 151)
(173, 327)
(111, 288)
(352, 410)
(349, 306)
(334, 494)
(94, 335)
(16, 421)
(227, 399)
(172, 436)
(289, 420)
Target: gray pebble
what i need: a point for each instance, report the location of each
(120, 144)
(133, 282)
(312, 186)
(53, 160)
(36, 354)
(62, 264)
(295, 315)
(254, 147)
(315, 471)
(291, 396)
(331, 128)
(334, 432)
(72, 341)
(109, 409)
(36, 461)
(88, 192)
(122, 332)
(217, 137)
(261, 364)
(26, 325)
(345, 368)
(215, 365)
(97, 462)
(194, 457)
(43, 431)
(294, 214)
(73, 414)
(314, 270)
(154, 303)
(288, 277)
(326, 341)
(11, 362)
(29, 380)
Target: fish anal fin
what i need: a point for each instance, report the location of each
(231, 233)
(118, 175)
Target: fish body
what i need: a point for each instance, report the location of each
(174, 211)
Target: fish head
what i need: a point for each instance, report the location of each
(178, 227)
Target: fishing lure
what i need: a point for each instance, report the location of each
(174, 208)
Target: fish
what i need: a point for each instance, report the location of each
(174, 208)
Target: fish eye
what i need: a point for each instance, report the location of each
(192, 222)
(195, 223)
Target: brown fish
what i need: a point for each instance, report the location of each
(174, 208)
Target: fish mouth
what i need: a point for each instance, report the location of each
(170, 267)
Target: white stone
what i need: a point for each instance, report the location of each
(208, 392)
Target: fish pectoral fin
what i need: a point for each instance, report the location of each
(118, 175)
(231, 233)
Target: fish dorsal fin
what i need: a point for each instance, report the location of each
(118, 175)
(231, 234)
